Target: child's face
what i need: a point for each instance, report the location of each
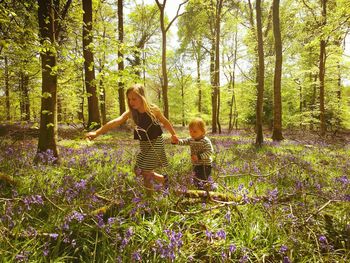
(196, 133)
(135, 101)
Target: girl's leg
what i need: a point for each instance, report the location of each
(149, 176)
(158, 178)
(147, 179)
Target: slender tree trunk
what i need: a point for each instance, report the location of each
(321, 83)
(102, 95)
(165, 80)
(322, 70)
(233, 107)
(217, 59)
(183, 104)
(48, 116)
(199, 86)
(7, 90)
(21, 102)
(301, 104)
(90, 81)
(213, 90)
(277, 109)
(82, 99)
(261, 72)
(121, 56)
(313, 99)
(26, 97)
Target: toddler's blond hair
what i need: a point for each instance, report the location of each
(199, 123)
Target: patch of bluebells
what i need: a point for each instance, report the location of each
(272, 195)
(75, 215)
(140, 206)
(136, 256)
(71, 189)
(324, 244)
(127, 237)
(23, 256)
(46, 157)
(168, 248)
(32, 199)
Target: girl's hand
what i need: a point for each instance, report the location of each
(91, 135)
(174, 139)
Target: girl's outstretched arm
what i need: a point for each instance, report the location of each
(108, 126)
(167, 125)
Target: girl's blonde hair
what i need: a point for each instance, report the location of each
(199, 123)
(139, 90)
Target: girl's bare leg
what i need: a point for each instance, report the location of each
(147, 179)
(149, 176)
(158, 178)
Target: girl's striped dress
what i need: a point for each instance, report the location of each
(152, 152)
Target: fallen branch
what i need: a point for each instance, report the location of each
(209, 195)
(199, 211)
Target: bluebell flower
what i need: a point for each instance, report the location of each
(136, 256)
(232, 248)
(283, 249)
(221, 234)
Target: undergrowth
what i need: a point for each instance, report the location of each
(292, 203)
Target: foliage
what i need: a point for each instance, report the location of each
(294, 203)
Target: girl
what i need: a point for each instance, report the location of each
(147, 118)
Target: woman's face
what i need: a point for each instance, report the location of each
(135, 101)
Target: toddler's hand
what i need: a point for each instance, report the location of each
(194, 158)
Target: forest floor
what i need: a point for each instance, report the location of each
(283, 202)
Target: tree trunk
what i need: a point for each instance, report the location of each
(277, 116)
(102, 96)
(26, 97)
(322, 70)
(183, 104)
(90, 81)
(260, 77)
(48, 116)
(121, 57)
(217, 60)
(165, 80)
(199, 86)
(7, 90)
(233, 107)
(213, 90)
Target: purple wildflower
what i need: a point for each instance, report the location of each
(136, 256)
(232, 248)
(53, 235)
(208, 234)
(22, 257)
(243, 259)
(322, 239)
(283, 249)
(221, 234)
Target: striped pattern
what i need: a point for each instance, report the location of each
(151, 155)
(202, 148)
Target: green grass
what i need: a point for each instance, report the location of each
(295, 204)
